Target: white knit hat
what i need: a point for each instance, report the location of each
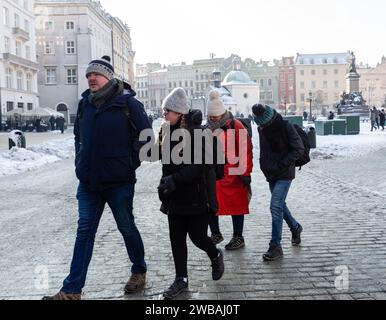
(216, 107)
(177, 101)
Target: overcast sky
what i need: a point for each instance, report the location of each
(171, 31)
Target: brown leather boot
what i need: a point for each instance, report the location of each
(136, 282)
(64, 296)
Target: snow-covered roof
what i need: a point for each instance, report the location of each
(323, 58)
(237, 77)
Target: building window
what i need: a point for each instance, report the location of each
(20, 105)
(72, 77)
(191, 84)
(70, 47)
(6, 16)
(336, 71)
(9, 77)
(29, 82)
(313, 72)
(262, 95)
(19, 77)
(18, 48)
(325, 85)
(302, 72)
(51, 75)
(262, 82)
(313, 85)
(26, 25)
(302, 97)
(30, 106)
(49, 47)
(7, 45)
(270, 82)
(186, 84)
(17, 21)
(25, 4)
(302, 85)
(9, 106)
(49, 26)
(28, 52)
(325, 72)
(325, 61)
(336, 84)
(70, 25)
(312, 61)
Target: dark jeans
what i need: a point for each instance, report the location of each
(238, 225)
(280, 211)
(197, 228)
(91, 206)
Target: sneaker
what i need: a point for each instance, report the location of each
(274, 253)
(136, 282)
(218, 266)
(62, 296)
(236, 243)
(217, 238)
(178, 286)
(296, 240)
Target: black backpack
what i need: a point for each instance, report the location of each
(305, 158)
(246, 122)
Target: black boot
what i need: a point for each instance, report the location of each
(296, 239)
(218, 266)
(274, 253)
(177, 287)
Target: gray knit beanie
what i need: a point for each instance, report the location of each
(177, 101)
(102, 67)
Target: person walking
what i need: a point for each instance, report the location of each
(233, 191)
(182, 191)
(382, 119)
(280, 147)
(105, 166)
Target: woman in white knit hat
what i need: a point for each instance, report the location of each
(182, 194)
(233, 192)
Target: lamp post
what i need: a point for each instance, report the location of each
(285, 105)
(310, 100)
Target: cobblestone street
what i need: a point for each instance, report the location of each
(339, 202)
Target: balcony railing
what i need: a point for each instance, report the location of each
(11, 58)
(21, 34)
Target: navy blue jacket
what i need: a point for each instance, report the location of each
(104, 139)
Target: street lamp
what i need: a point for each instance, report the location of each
(310, 100)
(285, 105)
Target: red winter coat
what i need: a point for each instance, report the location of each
(232, 195)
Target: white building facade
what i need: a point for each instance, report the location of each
(18, 64)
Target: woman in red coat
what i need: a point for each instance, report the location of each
(234, 190)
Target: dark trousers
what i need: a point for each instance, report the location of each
(238, 225)
(197, 228)
(91, 207)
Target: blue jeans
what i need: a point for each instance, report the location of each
(279, 210)
(91, 206)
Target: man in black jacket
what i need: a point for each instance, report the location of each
(280, 147)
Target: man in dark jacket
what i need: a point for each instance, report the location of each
(106, 130)
(280, 147)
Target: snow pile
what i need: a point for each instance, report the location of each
(19, 160)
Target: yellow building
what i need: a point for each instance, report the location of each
(323, 77)
(373, 84)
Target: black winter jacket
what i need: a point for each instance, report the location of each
(190, 196)
(280, 147)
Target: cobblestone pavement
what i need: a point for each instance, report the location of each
(341, 204)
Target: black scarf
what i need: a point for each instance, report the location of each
(113, 88)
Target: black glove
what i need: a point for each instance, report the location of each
(246, 181)
(167, 185)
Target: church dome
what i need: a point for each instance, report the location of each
(237, 77)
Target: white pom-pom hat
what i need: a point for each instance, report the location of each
(216, 107)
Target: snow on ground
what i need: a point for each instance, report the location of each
(367, 142)
(17, 161)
